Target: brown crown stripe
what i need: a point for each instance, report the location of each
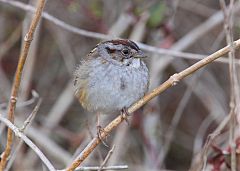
(125, 42)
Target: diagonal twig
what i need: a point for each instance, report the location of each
(91, 168)
(106, 158)
(173, 80)
(28, 142)
(210, 138)
(27, 123)
(157, 50)
(31, 116)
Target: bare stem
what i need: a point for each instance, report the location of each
(89, 168)
(228, 25)
(173, 80)
(15, 88)
(211, 137)
(169, 52)
(106, 158)
(21, 135)
(27, 123)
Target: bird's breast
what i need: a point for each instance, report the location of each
(113, 87)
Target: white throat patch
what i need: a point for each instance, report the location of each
(136, 63)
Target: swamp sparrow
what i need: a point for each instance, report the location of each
(111, 77)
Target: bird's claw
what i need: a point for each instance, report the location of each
(100, 130)
(125, 114)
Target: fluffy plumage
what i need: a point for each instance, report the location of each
(111, 82)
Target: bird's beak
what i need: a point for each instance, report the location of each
(140, 54)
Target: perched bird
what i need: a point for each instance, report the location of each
(111, 77)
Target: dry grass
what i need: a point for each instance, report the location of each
(186, 128)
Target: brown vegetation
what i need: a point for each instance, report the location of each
(192, 126)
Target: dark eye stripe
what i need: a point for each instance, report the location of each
(110, 50)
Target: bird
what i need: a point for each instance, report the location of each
(111, 77)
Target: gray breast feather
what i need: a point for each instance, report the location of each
(110, 88)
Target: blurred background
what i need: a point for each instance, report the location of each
(168, 132)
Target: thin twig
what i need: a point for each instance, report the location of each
(31, 116)
(27, 123)
(210, 139)
(30, 63)
(20, 104)
(201, 163)
(202, 131)
(14, 94)
(21, 135)
(89, 168)
(173, 80)
(106, 158)
(228, 24)
(48, 145)
(161, 51)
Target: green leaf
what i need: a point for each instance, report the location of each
(156, 14)
(96, 8)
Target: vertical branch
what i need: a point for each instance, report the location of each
(15, 88)
(234, 98)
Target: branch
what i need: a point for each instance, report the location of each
(228, 27)
(28, 142)
(72, 29)
(202, 163)
(89, 168)
(106, 158)
(14, 94)
(26, 124)
(173, 80)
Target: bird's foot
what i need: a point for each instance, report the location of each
(100, 130)
(125, 114)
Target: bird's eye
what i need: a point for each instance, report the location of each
(125, 52)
